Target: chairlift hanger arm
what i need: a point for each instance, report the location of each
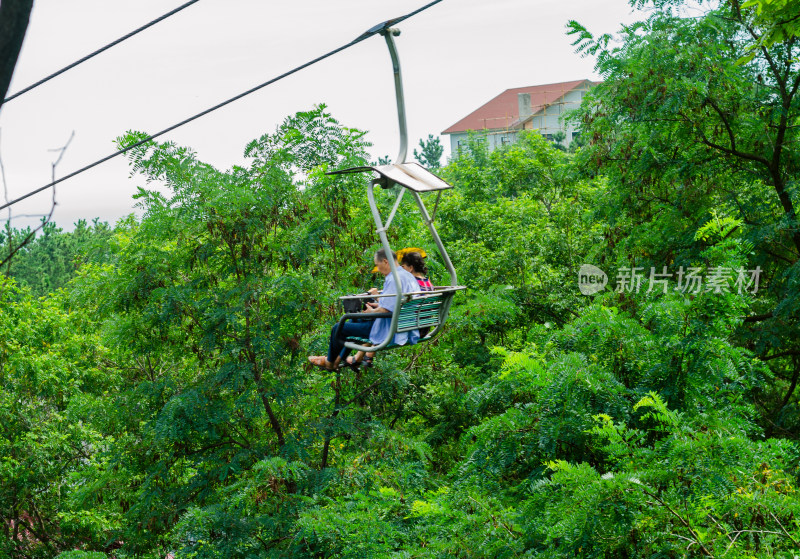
(398, 90)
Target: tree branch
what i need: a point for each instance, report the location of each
(46, 219)
(741, 154)
(679, 517)
(780, 256)
(789, 392)
(759, 317)
(779, 355)
(774, 67)
(788, 535)
(731, 136)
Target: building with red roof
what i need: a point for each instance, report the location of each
(537, 107)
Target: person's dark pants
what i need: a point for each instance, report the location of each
(360, 329)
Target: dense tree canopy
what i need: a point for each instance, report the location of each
(155, 393)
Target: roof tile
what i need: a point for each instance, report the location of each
(503, 110)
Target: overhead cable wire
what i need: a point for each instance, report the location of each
(98, 51)
(377, 29)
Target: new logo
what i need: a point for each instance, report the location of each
(591, 279)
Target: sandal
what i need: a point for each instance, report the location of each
(352, 363)
(367, 361)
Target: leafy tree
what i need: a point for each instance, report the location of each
(516, 220)
(430, 154)
(210, 307)
(49, 261)
(576, 143)
(685, 131)
(51, 383)
(558, 138)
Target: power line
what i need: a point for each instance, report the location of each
(98, 51)
(366, 35)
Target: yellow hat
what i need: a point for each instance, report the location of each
(402, 252)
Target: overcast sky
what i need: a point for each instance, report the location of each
(455, 56)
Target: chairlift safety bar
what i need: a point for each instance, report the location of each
(379, 295)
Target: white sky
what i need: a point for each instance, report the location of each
(455, 56)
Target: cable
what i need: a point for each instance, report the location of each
(366, 35)
(98, 51)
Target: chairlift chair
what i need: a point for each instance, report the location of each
(419, 309)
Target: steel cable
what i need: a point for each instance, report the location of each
(366, 35)
(98, 51)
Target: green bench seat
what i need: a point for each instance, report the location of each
(424, 311)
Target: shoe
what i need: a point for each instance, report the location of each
(320, 361)
(352, 363)
(367, 361)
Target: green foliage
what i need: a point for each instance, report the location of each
(159, 402)
(698, 147)
(431, 151)
(687, 487)
(49, 371)
(52, 258)
(718, 228)
(82, 555)
(558, 137)
(212, 295)
(773, 21)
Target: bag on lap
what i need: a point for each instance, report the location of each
(356, 305)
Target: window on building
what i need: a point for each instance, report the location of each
(463, 145)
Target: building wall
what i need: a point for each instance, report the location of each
(551, 118)
(494, 138)
(547, 122)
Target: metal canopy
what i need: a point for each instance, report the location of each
(410, 175)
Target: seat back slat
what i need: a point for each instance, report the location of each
(423, 311)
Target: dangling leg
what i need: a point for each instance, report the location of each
(353, 361)
(335, 345)
(336, 349)
(368, 358)
(359, 359)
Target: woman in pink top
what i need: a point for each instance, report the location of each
(413, 263)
